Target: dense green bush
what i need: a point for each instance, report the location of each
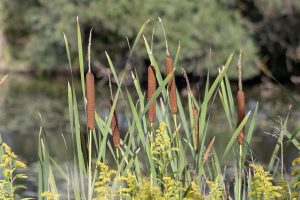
(204, 27)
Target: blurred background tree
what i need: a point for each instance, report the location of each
(208, 30)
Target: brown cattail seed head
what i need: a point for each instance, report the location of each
(171, 85)
(90, 95)
(241, 114)
(196, 125)
(151, 91)
(115, 127)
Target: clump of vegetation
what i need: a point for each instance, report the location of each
(262, 186)
(10, 166)
(164, 157)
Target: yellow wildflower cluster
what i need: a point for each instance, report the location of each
(194, 192)
(296, 174)
(50, 195)
(146, 192)
(162, 147)
(9, 164)
(172, 188)
(131, 188)
(162, 142)
(261, 185)
(102, 184)
(136, 191)
(215, 189)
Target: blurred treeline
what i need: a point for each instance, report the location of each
(268, 32)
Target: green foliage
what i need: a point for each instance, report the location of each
(216, 189)
(262, 186)
(9, 165)
(206, 30)
(150, 163)
(296, 173)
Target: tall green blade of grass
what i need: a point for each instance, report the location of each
(141, 97)
(1, 146)
(230, 100)
(249, 133)
(80, 57)
(141, 135)
(43, 163)
(224, 100)
(203, 110)
(235, 134)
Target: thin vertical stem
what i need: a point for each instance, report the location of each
(176, 132)
(89, 50)
(240, 175)
(90, 166)
(240, 71)
(162, 26)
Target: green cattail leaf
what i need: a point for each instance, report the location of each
(235, 134)
(80, 57)
(141, 135)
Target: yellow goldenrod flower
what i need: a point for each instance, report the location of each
(216, 189)
(9, 164)
(49, 195)
(194, 192)
(102, 184)
(262, 186)
(172, 188)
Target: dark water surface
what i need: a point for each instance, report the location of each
(26, 103)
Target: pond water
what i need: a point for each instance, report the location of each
(26, 103)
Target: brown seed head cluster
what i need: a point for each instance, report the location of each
(241, 113)
(196, 125)
(115, 127)
(90, 95)
(171, 85)
(151, 91)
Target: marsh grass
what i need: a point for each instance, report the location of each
(151, 154)
(153, 157)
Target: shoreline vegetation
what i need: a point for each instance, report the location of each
(34, 35)
(150, 161)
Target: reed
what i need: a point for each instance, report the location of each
(240, 102)
(171, 85)
(115, 127)
(180, 166)
(151, 91)
(90, 91)
(90, 96)
(196, 125)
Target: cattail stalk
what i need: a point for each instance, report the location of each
(151, 91)
(240, 102)
(90, 96)
(171, 85)
(90, 92)
(90, 109)
(115, 127)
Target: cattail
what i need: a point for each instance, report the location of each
(90, 96)
(115, 127)
(196, 125)
(171, 85)
(240, 102)
(151, 91)
(90, 91)
(169, 70)
(241, 113)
